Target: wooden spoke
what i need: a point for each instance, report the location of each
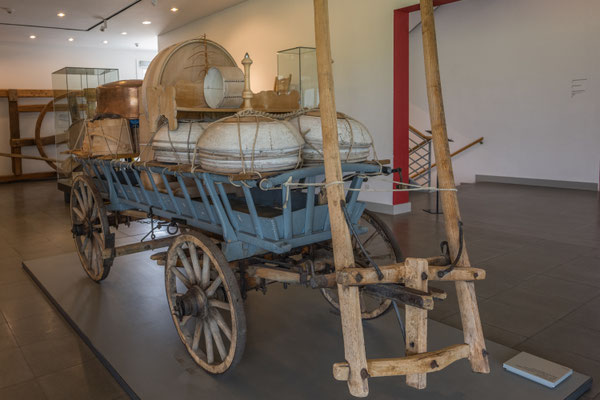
(210, 291)
(182, 277)
(210, 358)
(219, 304)
(195, 262)
(197, 333)
(205, 271)
(366, 242)
(90, 198)
(79, 213)
(221, 323)
(85, 243)
(82, 205)
(214, 329)
(186, 264)
(185, 320)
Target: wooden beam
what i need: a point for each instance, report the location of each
(273, 274)
(354, 343)
(31, 107)
(400, 273)
(28, 177)
(137, 247)
(46, 140)
(417, 363)
(416, 320)
(467, 299)
(457, 274)
(28, 92)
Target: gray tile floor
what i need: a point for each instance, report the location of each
(541, 248)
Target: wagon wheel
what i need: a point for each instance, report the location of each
(380, 243)
(90, 228)
(205, 302)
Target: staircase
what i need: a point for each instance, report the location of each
(419, 156)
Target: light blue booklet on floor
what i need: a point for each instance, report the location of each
(537, 369)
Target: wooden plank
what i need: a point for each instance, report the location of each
(15, 130)
(354, 343)
(29, 92)
(457, 274)
(467, 299)
(416, 320)
(418, 363)
(28, 177)
(31, 107)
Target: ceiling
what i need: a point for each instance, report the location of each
(81, 15)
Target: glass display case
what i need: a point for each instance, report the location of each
(74, 90)
(301, 63)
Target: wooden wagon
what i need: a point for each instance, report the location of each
(277, 232)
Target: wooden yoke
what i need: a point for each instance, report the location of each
(467, 301)
(354, 344)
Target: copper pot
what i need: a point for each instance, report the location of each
(121, 98)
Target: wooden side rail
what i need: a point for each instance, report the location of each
(473, 143)
(422, 363)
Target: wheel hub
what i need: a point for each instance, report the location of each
(193, 303)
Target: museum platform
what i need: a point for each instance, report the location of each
(293, 339)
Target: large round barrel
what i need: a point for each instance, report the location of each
(185, 62)
(223, 87)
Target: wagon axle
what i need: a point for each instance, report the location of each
(193, 303)
(83, 229)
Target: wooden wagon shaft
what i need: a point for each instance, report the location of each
(467, 300)
(417, 363)
(399, 273)
(354, 343)
(137, 247)
(273, 274)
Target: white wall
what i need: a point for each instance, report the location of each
(362, 49)
(31, 66)
(506, 68)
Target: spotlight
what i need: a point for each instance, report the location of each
(105, 41)
(61, 14)
(174, 9)
(70, 39)
(146, 22)
(32, 36)
(104, 25)
(123, 33)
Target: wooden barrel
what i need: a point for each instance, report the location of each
(223, 87)
(186, 61)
